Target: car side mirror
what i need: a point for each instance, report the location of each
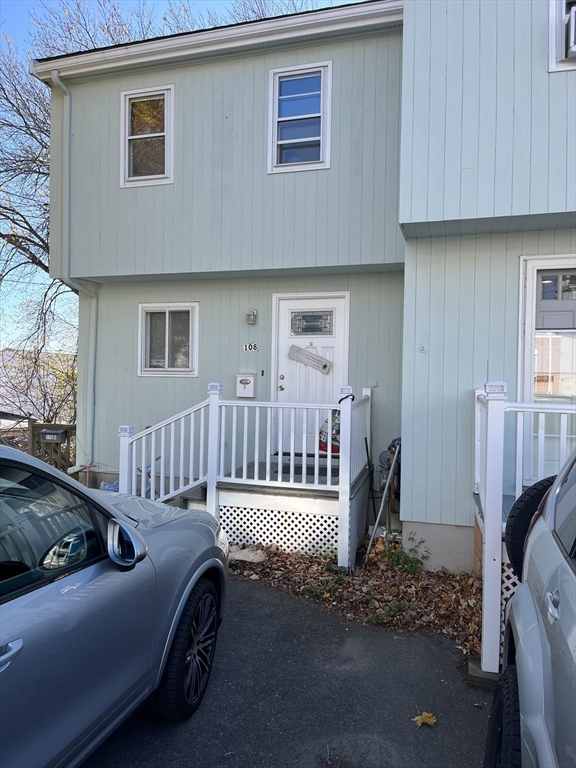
(126, 547)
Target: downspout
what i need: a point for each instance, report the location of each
(68, 280)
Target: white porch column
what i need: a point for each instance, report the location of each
(346, 394)
(492, 549)
(214, 397)
(125, 432)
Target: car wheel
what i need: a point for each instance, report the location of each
(503, 739)
(519, 519)
(191, 655)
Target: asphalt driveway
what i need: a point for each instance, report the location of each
(294, 686)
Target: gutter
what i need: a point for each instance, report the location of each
(232, 39)
(69, 281)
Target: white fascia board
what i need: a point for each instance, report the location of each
(221, 40)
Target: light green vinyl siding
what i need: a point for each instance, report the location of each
(123, 397)
(460, 330)
(487, 131)
(224, 213)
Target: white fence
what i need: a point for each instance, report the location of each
(516, 444)
(251, 444)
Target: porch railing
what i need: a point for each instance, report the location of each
(516, 444)
(253, 444)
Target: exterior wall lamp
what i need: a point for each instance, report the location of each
(251, 316)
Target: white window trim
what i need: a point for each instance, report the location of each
(145, 181)
(556, 29)
(529, 268)
(193, 308)
(325, 68)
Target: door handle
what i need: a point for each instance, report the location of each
(12, 650)
(281, 388)
(553, 604)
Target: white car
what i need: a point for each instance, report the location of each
(533, 717)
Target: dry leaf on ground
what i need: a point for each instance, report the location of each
(426, 718)
(429, 603)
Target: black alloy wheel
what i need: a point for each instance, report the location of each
(191, 656)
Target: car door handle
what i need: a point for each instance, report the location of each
(12, 650)
(553, 604)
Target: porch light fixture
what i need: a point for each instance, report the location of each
(251, 316)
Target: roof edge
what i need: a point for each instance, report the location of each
(216, 40)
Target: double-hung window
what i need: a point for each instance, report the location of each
(299, 137)
(562, 34)
(168, 339)
(147, 126)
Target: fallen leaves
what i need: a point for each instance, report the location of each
(426, 718)
(425, 602)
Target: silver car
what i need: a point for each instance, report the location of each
(533, 718)
(106, 601)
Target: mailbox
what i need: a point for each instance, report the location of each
(53, 436)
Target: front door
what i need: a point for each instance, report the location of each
(316, 323)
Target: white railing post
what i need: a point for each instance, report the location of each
(367, 392)
(125, 432)
(214, 397)
(345, 400)
(492, 550)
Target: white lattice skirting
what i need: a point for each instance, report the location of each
(304, 532)
(509, 586)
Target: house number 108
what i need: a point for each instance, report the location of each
(251, 347)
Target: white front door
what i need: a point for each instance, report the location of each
(317, 323)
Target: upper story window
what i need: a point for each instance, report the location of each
(147, 127)
(168, 339)
(562, 34)
(300, 118)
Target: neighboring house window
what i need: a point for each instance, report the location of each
(299, 124)
(562, 34)
(168, 339)
(147, 127)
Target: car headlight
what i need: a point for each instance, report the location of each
(223, 542)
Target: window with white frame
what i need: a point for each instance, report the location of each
(147, 126)
(562, 34)
(300, 102)
(168, 339)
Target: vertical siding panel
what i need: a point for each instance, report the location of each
(541, 90)
(435, 354)
(487, 110)
(556, 160)
(422, 57)
(522, 35)
(389, 244)
(408, 111)
(448, 407)
(368, 127)
(435, 139)
(504, 110)
(453, 130)
(244, 193)
(210, 255)
(470, 109)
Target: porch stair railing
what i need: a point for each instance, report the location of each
(255, 444)
(532, 442)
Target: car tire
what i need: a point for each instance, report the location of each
(518, 522)
(191, 656)
(503, 746)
